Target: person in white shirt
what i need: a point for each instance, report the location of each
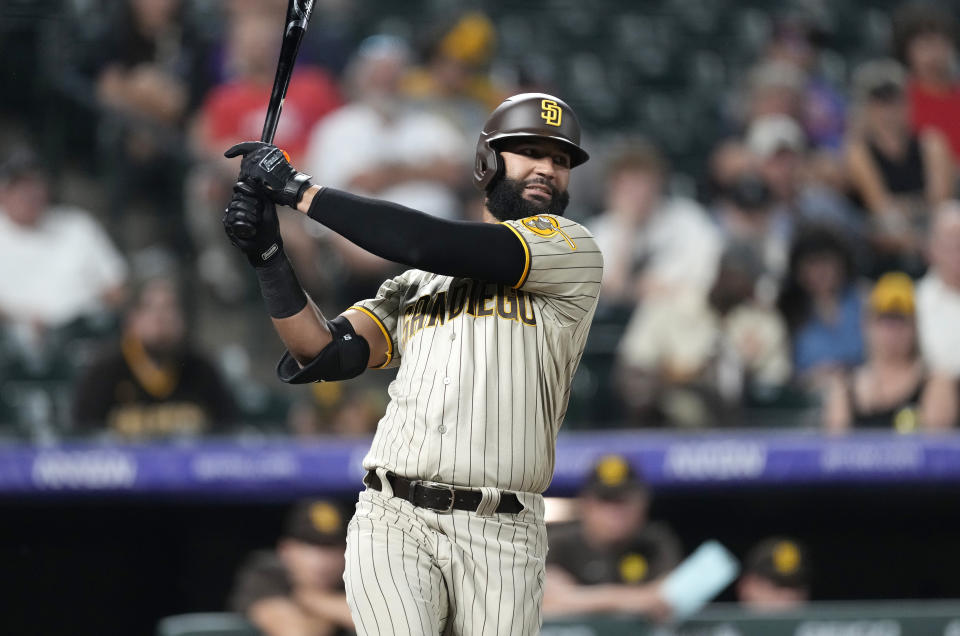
(382, 144)
(654, 245)
(398, 152)
(938, 293)
(60, 264)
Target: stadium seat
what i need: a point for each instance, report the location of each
(206, 624)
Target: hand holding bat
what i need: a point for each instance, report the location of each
(295, 25)
(268, 170)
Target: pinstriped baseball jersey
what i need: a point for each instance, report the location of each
(485, 369)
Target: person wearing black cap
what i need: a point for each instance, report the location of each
(297, 589)
(611, 558)
(776, 576)
(897, 175)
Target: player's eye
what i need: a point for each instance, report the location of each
(561, 160)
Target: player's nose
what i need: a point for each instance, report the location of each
(543, 167)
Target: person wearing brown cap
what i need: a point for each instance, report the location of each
(776, 576)
(896, 174)
(610, 559)
(893, 388)
(297, 588)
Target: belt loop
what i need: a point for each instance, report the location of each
(489, 501)
(385, 486)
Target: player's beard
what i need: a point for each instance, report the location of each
(506, 203)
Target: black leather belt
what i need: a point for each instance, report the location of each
(440, 497)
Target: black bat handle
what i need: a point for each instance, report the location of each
(242, 229)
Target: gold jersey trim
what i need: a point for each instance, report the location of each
(383, 328)
(526, 253)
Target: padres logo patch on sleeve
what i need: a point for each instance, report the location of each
(546, 226)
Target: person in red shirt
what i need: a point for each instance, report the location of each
(234, 111)
(925, 40)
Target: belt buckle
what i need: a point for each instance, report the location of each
(438, 486)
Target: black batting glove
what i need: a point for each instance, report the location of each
(268, 169)
(247, 210)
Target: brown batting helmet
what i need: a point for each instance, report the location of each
(526, 115)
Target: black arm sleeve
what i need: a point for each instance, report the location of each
(484, 251)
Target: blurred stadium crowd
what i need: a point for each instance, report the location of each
(774, 191)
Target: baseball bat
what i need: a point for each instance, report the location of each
(295, 25)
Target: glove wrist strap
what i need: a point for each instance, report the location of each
(295, 187)
(280, 288)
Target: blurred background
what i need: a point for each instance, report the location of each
(774, 359)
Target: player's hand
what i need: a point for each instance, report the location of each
(247, 208)
(268, 169)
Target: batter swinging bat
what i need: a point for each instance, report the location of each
(298, 15)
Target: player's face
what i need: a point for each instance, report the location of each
(158, 320)
(608, 522)
(542, 165)
(760, 594)
(535, 180)
(25, 199)
(312, 566)
(891, 336)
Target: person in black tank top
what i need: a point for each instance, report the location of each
(903, 175)
(893, 389)
(897, 175)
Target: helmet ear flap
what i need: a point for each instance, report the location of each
(489, 165)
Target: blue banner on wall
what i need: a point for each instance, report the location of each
(332, 466)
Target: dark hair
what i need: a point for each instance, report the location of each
(920, 18)
(811, 240)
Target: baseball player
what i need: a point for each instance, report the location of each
(487, 328)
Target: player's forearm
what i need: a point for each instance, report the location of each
(304, 334)
(482, 251)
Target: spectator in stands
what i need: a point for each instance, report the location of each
(149, 74)
(774, 88)
(821, 304)
(656, 247)
(779, 145)
(155, 384)
(697, 364)
(925, 40)
(612, 557)
(61, 264)
(893, 389)
(776, 577)
(338, 408)
(296, 589)
(455, 81)
(898, 175)
(233, 111)
(398, 151)
(744, 210)
(938, 294)
(798, 41)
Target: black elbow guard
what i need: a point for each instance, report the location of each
(345, 357)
